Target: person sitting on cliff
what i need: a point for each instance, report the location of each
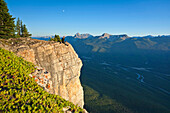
(63, 41)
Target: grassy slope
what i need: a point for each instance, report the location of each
(19, 92)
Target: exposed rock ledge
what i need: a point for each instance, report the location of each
(60, 60)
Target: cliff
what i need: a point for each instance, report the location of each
(60, 60)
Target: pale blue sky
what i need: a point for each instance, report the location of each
(67, 17)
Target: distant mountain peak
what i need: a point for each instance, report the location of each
(82, 36)
(113, 37)
(105, 35)
(77, 34)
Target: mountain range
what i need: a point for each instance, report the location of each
(111, 43)
(107, 43)
(107, 36)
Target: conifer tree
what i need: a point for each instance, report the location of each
(22, 29)
(56, 38)
(7, 26)
(18, 27)
(25, 32)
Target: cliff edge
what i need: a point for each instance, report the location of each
(60, 60)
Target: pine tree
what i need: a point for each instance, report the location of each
(22, 29)
(18, 27)
(7, 26)
(57, 38)
(25, 31)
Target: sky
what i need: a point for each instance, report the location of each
(67, 17)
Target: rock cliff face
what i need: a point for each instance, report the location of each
(60, 60)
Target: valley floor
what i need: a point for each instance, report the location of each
(112, 87)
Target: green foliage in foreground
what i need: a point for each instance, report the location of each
(19, 92)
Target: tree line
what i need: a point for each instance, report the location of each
(8, 29)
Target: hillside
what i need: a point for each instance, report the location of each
(20, 92)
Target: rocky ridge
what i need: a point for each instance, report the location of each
(114, 37)
(82, 36)
(60, 60)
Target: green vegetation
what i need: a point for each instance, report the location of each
(19, 92)
(97, 102)
(6, 21)
(56, 38)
